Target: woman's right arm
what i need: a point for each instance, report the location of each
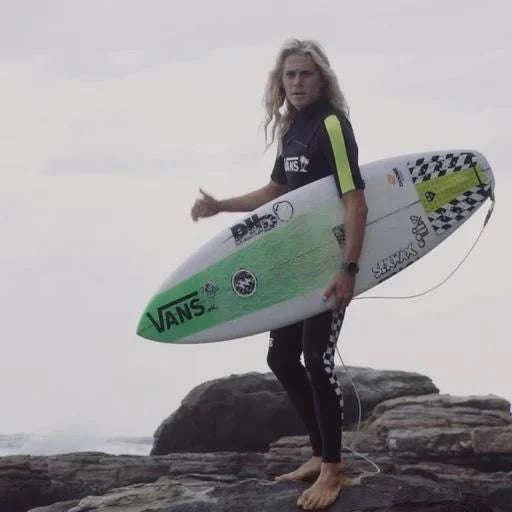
(206, 206)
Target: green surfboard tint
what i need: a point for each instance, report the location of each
(438, 192)
(306, 243)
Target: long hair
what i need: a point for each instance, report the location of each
(279, 113)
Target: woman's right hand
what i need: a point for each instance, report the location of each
(205, 206)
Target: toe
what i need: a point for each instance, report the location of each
(324, 502)
(309, 503)
(329, 499)
(305, 501)
(313, 504)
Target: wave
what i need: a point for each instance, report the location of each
(74, 440)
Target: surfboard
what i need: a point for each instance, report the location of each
(270, 268)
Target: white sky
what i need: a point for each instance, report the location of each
(114, 112)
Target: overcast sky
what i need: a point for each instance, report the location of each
(113, 113)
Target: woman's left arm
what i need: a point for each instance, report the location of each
(342, 285)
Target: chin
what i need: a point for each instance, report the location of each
(301, 104)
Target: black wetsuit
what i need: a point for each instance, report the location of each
(320, 142)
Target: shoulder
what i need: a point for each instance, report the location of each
(335, 117)
(336, 125)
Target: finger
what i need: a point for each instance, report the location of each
(207, 196)
(339, 300)
(328, 292)
(196, 210)
(338, 304)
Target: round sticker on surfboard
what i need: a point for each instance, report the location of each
(243, 283)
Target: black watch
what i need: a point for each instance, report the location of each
(350, 267)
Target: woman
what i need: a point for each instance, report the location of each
(307, 113)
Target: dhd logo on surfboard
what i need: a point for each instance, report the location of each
(255, 225)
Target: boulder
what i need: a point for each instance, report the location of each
(238, 413)
(247, 412)
(428, 453)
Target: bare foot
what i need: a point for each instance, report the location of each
(307, 471)
(326, 488)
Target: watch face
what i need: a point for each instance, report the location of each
(351, 268)
(354, 268)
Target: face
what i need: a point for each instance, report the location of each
(301, 81)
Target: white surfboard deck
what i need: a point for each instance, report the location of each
(271, 267)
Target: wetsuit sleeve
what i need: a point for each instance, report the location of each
(340, 148)
(278, 175)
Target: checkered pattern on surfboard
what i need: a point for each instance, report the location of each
(436, 166)
(456, 211)
(424, 169)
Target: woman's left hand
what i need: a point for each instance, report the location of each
(342, 288)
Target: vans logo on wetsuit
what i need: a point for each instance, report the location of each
(255, 225)
(296, 164)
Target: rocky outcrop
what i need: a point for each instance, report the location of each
(240, 413)
(435, 453)
(248, 412)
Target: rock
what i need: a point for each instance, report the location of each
(433, 469)
(434, 453)
(239, 413)
(376, 386)
(428, 442)
(444, 410)
(62, 506)
(382, 493)
(429, 411)
(28, 481)
(492, 440)
(247, 412)
(162, 493)
(443, 442)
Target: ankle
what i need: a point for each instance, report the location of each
(332, 467)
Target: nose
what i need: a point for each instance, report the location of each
(297, 79)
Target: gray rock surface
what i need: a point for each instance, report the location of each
(436, 453)
(248, 412)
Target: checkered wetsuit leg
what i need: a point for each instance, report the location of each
(320, 335)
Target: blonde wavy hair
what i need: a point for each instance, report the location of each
(279, 113)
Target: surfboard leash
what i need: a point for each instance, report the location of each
(358, 428)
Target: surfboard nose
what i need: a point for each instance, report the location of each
(152, 322)
(142, 326)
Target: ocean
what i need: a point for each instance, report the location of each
(54, 443)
